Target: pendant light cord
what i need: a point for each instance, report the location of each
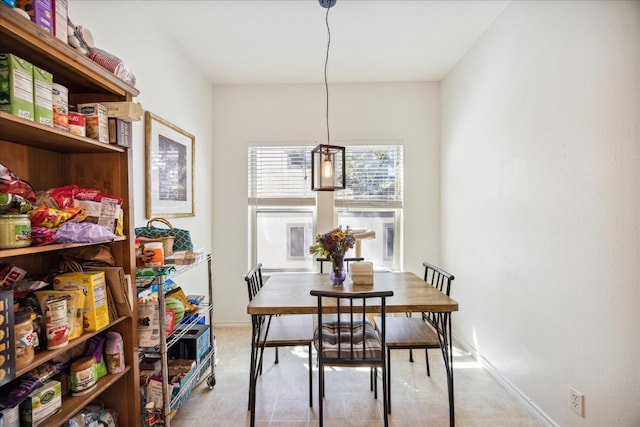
(326, 85)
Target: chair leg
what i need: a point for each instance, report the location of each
(310, 378)
(276, 361)
(386, 393)
(426, 356)
(375, 383)
(320, 395)
(411, 355)
(387, 387)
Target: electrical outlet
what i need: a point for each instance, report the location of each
(576, 401)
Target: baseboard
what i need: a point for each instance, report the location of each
(500, 379)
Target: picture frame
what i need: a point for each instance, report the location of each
(169, 164)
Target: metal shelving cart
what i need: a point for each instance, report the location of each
(171, 403)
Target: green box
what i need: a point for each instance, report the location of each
(43, 402)
(42, 96)
(16, 86)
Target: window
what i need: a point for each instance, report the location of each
(373, 200)
(297, 241)
(281, 207)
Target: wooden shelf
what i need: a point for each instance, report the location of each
(47, 355)
(47, 158)
(71, 405)
(70, 68)
(29, 250)
(14, 128)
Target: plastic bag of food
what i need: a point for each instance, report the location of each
(10, 183)
(14, 204)
(53, 218)
(58, 198)
(83, 232)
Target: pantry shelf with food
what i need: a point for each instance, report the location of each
(184, 350)
(47, 156)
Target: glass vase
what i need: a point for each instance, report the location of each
(337, 275)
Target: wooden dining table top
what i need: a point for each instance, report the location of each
(288, 293)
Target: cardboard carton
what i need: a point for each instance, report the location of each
(16, 86)
(94, 286)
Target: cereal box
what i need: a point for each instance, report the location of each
(94, 286)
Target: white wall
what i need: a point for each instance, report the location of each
(540, 206)
(293, 114)
(170, 88)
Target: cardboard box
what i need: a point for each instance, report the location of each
(96, 123)
(16, 86)
(119, 288)
(193, 345)
(10, 417)
(40, 12)
(41, 403)
(119, 132)
(127, 111)
(42, 96)
(94, 286)
(60, 14)
(7, 338)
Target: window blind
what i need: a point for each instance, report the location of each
(374, 177)
(280, 176)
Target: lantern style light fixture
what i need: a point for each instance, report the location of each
(328, 171)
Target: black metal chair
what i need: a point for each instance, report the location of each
(277, 331)
(417, 332)
(346, 261)
(350, 340)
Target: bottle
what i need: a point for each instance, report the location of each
(114, 352)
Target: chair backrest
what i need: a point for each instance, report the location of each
(321, 261)
(438, 278)
(254, 280)
(352, 339)
(441, 280)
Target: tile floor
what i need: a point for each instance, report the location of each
(282, 393)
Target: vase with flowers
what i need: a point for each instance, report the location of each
(333, 245)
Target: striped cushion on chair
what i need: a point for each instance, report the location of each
(340, 332)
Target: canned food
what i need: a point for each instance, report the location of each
(77, 124)
(15, 231)
(60, 106)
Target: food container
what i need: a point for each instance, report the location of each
(153, 254)
(23, 331)
(77, 124)
(15, 231)
(83, 375)
(60, 106)
(56, 322)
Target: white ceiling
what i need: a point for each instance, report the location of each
(285, 41)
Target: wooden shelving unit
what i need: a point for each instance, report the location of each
(48, 158)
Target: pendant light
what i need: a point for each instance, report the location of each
(328, 171)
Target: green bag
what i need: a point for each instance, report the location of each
(182, 238)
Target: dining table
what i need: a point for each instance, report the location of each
(289, 293)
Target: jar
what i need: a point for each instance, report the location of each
(83, 375)
(23, 329)
(15, 231)
(153, 254)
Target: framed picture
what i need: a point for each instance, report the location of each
(169, 165)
